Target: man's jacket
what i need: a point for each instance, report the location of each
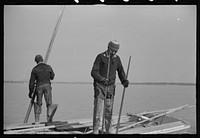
(41, 74)
(100, 67)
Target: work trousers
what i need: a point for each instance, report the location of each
(44, 89)
(100, 91)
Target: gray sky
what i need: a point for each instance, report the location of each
(161, 40)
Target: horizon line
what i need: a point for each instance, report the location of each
(150, 83)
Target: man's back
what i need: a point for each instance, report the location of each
(41, 73)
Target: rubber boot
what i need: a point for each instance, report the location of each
(108, 124)
(37, 112)
(97, 115)
(108, 116)
(37, 119)
(96, 125)
(51, 111)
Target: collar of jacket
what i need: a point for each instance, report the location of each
(105, 54)
(40, 63)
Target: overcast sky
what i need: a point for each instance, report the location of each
(161, 40)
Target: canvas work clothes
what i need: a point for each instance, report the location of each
(98, 103)
(100, 68)
(99, 73)
(44, 89)
(100, 91)
(40, 74)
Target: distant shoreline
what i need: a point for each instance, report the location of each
(134, 83)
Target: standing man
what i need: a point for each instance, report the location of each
(40, 85)
(104, 84)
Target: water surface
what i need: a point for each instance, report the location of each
(76, 101)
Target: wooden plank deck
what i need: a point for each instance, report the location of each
(165, 128)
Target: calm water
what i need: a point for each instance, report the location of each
(76, 101)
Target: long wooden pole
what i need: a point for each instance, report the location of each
(108, 71)
(120, 111)
(54, 35)
(45, 61)
(29, 107)
(150, 119)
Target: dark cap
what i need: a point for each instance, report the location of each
(38, 58)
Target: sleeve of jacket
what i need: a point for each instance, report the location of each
(32, 81)
(95, 69)
(52, 74)
(120, 70)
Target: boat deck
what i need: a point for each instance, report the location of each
(154, 122)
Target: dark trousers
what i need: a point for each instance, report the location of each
(44, 89)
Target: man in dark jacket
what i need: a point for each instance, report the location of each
(104, 84)
(40, 84)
